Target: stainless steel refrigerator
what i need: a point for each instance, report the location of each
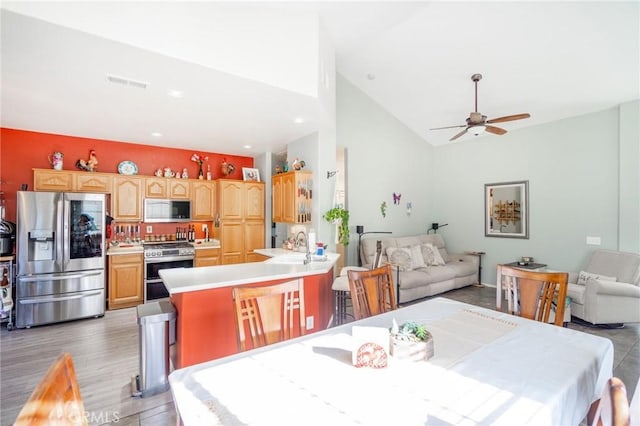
(60, 257)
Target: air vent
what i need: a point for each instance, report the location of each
(126, 81)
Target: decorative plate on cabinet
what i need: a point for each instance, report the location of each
(127, 168)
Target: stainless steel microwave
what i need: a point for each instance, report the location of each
(161, 210)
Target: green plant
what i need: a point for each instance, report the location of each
(413, 332)
(339, 216)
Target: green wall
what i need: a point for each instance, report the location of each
(574, 168)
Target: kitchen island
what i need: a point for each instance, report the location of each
(205, 325)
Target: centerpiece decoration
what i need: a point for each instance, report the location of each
(411, 341)
(339, 217)
(199, 159)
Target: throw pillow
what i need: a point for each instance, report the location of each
(401, 257)
(417, 260)
(431, 255)
(583, 277)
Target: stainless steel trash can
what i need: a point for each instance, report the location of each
(154, 322)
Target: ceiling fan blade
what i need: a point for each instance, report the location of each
(458, 135)
(449, 127)
(509, 118)
(495, 130)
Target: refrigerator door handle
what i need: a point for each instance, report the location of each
(59, 277)
(60, 234)
(59, 298)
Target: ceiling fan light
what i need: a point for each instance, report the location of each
(477, 130)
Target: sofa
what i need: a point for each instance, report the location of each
(417, 278)
(607, 290)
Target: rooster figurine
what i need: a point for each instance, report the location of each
(227, 168)
(91, 165)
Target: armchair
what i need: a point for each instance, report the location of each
(610, 291)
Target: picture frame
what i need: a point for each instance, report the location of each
(506, 209)
(250, 175)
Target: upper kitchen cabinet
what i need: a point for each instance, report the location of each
(203, 196)
(69, 180)
(159, 187)
(292, 197)
(92, 182)
(126, 198)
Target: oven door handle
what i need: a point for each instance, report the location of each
(33, 301)
(162, 259)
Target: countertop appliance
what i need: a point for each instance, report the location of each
(60, 257)
(165, 255)
(7, 237)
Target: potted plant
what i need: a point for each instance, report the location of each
(411, 341)
(340, 217)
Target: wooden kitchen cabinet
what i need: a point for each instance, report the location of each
(92, 182)
(203, 196)
(126, 280)
(292, 197)
(126, 198)
(155, 187)
(179, 189)
(207, 257)
(52, 180)
(241, 220)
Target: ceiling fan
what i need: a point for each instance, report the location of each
(478, 123)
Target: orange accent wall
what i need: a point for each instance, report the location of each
(21, 151)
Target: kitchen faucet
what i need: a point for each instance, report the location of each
(307, 258)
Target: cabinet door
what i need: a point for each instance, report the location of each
(232, 242)
(203, 200)
(254, 201)
(92, 182)
(52, 180)
(253, 239)
(207, 257)
(125, 280)
(179, 189)
(155, 188)
(276, 198)
(126, 198)
(230, 195)
(289, 198)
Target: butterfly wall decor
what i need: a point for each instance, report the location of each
(396, 198)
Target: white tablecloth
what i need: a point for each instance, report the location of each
(499, 369)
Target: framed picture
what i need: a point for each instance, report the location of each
(251, 174)
(506, 209)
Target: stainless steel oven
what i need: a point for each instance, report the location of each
(164, 256)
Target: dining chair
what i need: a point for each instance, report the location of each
(613, 408)
(534, 294)
(269, 314)
(56, 399)
(340, 286)
(372, 292)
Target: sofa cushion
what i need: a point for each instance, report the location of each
(417, 260)
(400, 257)
(583, 277)
(431, 255)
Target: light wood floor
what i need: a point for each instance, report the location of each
(105, 354)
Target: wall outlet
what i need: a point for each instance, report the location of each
(149, 229)
(593, 241)
(310, 323)
(204, 227)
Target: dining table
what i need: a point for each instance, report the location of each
(488, 368)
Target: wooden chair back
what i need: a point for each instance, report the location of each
(269, 314)
(56, 400)
(613, 408)
(372, 291)
(533, 294)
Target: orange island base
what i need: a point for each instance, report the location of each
(205, 322)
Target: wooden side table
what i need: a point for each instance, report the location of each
(479, 254)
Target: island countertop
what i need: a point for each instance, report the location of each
(280, 266)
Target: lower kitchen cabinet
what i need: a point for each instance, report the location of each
(207, 257)
(125, 280)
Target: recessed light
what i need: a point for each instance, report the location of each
(247, 147)
(156, 134)
(174, 93)
(298, 120)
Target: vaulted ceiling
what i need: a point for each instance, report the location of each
(553, 60)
